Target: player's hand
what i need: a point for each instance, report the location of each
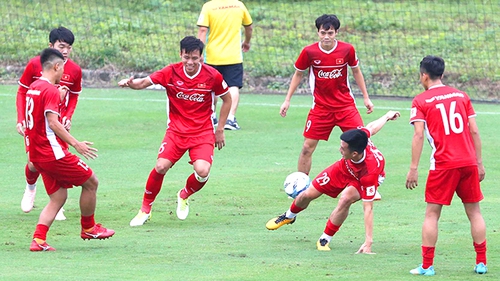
(245, 47)
(85, 149)
(66, 123)
(366, 248)
(369, 105)
(412, 179)
(392, 115)
(21, 127)
(126, 82)
(63, 91)
(284, 108)
(220, 139)
(481, 171)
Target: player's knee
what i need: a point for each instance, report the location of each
(92, 183)
(202, 177)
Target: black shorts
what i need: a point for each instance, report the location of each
(232, 74)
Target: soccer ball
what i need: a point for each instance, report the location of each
(295, 183)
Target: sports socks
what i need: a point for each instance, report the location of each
(153, 187)
(293, 211)
(31, 177)
(193, 184)
(40, 234)
(427, 256)
(330, 230)
(480, 252)
(87, 222)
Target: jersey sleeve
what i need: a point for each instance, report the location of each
(220, 86)
(51, 101)
(352, 59)
(302, 62)
(416, 112)
(203, 18)
(24, 83)
(470, 109)
(161, 77)
(247, 19)
(76, 88)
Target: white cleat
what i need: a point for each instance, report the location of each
(182, 207)
(140, 219)
(28, 199)
(60, 215)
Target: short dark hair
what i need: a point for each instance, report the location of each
(327, 22)
(356, 139)
(61, 34)
(433, 66)
(191, 43)
(49, 56)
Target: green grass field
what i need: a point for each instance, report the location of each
(224, 237)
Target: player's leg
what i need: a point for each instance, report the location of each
(305, 157)
(30, 191)
(298, 205)
(233, 75)
(349, 195)
(88, 197)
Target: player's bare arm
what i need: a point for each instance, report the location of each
(360, 81)
(376, 125)
(202, 33)
(366, 248)
(297, 77)
(245, 46)
(136, 84)
(82, 147)
(476, 139)
(416, 150)
(220, 141)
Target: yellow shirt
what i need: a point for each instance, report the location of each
(224, 19)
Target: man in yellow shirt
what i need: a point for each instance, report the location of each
(220, 24)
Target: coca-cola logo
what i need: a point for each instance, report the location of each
(336, 73)
(193, 97)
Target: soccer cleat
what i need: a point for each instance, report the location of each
(232, 125)
(182, 207)
(35, 247)
(377, 196)
(140, 219)
(279, 222)
(60, 215)
(28, 199)
(421, 271)
(480, 268)
(215, 121)
(98, 232)
(323, 245)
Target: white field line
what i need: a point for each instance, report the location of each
(247, 103)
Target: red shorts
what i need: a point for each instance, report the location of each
(200, 147)
(442, 184)
(332, 181)
(63, 173)
(320, 123)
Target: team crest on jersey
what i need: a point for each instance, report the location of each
(180, 83)
(317, 61)
(202, 85)
(339, 61)
(413, 112)
(65, 77)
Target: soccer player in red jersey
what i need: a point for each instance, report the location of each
(62, 40)
(356, 175)
(47, 140)
(447, 117)
(190, 87)
(333, 101)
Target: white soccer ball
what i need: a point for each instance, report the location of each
(295, 183)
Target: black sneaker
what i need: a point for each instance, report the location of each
(232, 125)
(215, 121)
(323, 245)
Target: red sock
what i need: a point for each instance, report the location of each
(331, 228)
(192, 186)
(87, 221)
(31, 177)
(427, 256)
(295, 209)
(480, 252)
(153, 187)
(41, 232)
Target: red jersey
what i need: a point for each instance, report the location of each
(190, 98)
(72, 78)
(445, 112)
(328, 75)
(367, 170)
(44, 145)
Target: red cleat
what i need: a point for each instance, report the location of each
(35, 247)
(98, 232)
